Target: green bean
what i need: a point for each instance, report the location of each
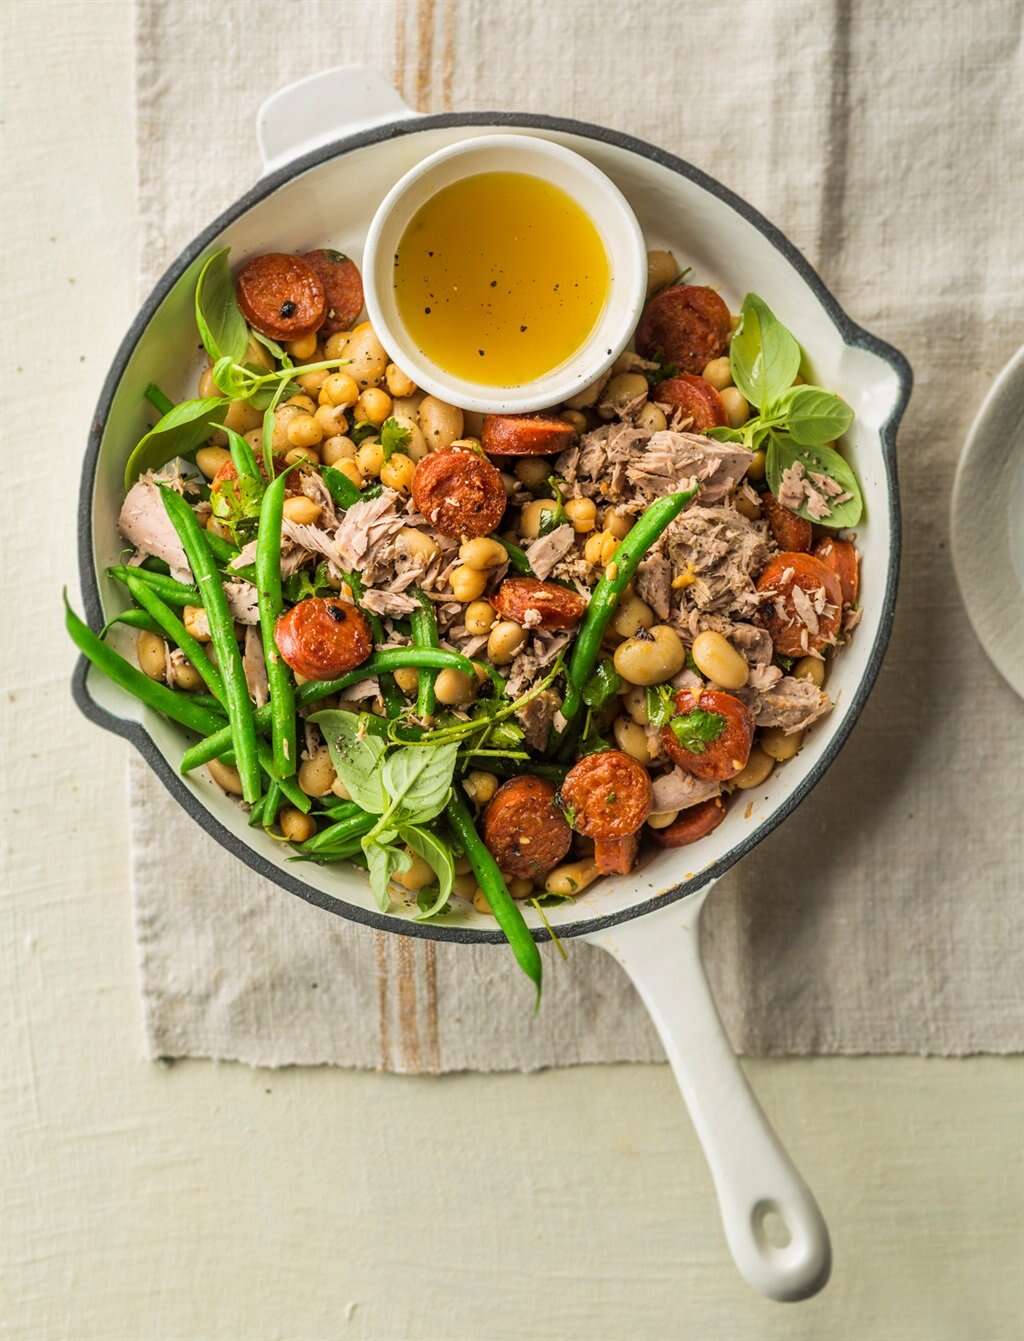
(271, 805)
(176, 630)
(222, 634)
(242, 457)
(174, 593)
(154, 565)
(344, 831)
(178, 707)
(289, 788)
(135, 619)
(256, 813)
(517, 559)
(313, 690)
(158, 399)
(423, 622)
(223, 550)
(271, 603)
(647, 529)
(492, 882)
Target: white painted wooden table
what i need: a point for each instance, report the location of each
(205, 1202)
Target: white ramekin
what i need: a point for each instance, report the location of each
(589, 187)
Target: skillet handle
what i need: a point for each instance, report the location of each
(755, 1181)
(324, 107)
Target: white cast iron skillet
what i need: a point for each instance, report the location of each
(333, 146)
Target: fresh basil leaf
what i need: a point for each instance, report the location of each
(814, 417)
(393, 437)
(783, 453)
(383, 861)
(723, 434)
(274, 348)
(437, 854)
(696, 730)
(764, 356)
(356, 755)
(222, 328)
(604, 684)
(659, 700)
(341, 488)
(177, 433)
(417, 781)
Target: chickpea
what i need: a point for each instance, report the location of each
(372, 407)
(303, 348)
(340, 388)
(195, 621)
(367, 359)
(336, 344)
(662, 819)
(650, 657)
(242, 417)
(506, 638)
(306, 403)
(398, 472)
(295, 826)
(312, 383)
(589, 396)
(398, 382)
(332, 420)
(185, 676)
(464, 885)
(718, 372)
(480, 902)
(304, 431)
(370, 455)
(737, 411)
(337, 448)
(617, 524)
(520, 888)
(631, 615)
(600, 547)
(778, 745)
(582, 512)
(533, 471)
(651, 418)
(479, 617)
(210, 459)
(572, 878)
(624, 389)
(810, 668)
(440, 422)
(467, 583)
(718, 660)
(207, 386)
(662, 269)
(416, 876)
(631, 739)
(218, 528)
(755, 470)
(408, 407)
(302, 456)
(482, 553)
(463, 865)
(407, 679)
(635, 702)
(257, 356)
(454, 688)
(226, 777)
(746, 507)
(479, 786)
(255, 439)
(338, 788)
(316, 774)
(533, 516)
(301, 510)
(576, 418)
(416, 545)
(758, 769)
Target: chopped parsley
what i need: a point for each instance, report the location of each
(659, 700)
(696, 730)
(393, 437)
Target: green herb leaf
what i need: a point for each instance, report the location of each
(341, 488)
(438, 856)
(783, 452)
(393, 437)
(661, 373)
(361, 432)
(383, 860)
(356, 755)
(764, 356)
(222, 328)
(604, 684)
(696, 730)
(417, 782)
(814, 417)
(298, 586)
(659, 700)
(177, 433)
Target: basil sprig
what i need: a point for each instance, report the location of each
(794, 423)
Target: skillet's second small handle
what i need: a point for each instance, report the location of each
(759, 1190)
(323, 107)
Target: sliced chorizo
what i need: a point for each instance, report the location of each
(524, 830)
(606, 795)
(537, 604)
(842, 557)
(790, 531)
(693, 823)
(687, 325)
(281, 296)
(322, 637)
(343, 287)
(796, 622)
(695, 397)
(722, 749)
(459, 492)
(525, 435)
(616, 856)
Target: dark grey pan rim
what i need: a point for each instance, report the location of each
(134, 732)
